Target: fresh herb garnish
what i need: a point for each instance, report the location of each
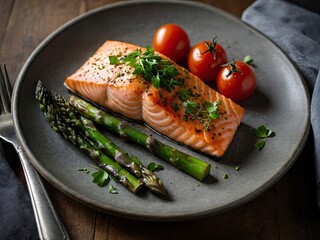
(248, 60)
(237, 168)
(212, 109)
(184, 94)
(112, 190)
(225, 176)
(175, 107)
(153, 166)
(160, 72)
(262, 133)
(84, 170)
(100, 177)
(205, 114)
(114, 60)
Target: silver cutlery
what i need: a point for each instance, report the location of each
(48, 223)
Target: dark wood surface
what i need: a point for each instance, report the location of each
(287, 210)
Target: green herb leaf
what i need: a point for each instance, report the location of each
(225, 176)
(191, 107)
(114, 60)
(175, 106)
(209, 106)
(156, 81)
(112, 190)
(260, 144)
(208, 112)
(100, 178)
(248, 59)
(262, 133)
(171, 69)
(160, 72)
(214, 115)
(212, 109)
(84, 170)
(153, 166)
(184, 94)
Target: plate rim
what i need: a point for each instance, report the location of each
(125, 213)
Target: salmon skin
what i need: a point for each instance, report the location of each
(182, 113)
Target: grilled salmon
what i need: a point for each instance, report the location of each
(111, 86)
(190, 113)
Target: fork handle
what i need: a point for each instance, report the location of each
(48, 223)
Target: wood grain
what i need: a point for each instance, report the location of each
(285, 211)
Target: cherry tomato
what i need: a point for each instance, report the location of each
(236, 80)
(205, 59)
(172, 41)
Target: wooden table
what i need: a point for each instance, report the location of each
(286, 211)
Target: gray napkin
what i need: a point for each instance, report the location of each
(16, 216)
(296, 30)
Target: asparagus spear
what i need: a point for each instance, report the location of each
(133, 164)
(151, 181)
(61, 125)
(103, 161)
(191, 165)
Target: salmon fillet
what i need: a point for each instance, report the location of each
(111, 86)
(115, 87)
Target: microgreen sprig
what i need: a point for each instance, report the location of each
(160, 72)
(205, 114)
(262, 133)
(249, 60)
(184, 94)
(100, 177)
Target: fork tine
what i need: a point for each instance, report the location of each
(5, 90)
(1, 89)
(7, 82)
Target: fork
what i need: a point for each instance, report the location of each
(48, 223)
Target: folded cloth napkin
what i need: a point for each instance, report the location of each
(16, 215)
(296, 31)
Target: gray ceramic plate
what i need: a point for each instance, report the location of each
(280, 102)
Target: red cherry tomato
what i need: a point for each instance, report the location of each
(172, 41)
(236, 80)
(205, 59)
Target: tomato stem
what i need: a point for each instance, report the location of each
(211, 46)
(233, 68)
